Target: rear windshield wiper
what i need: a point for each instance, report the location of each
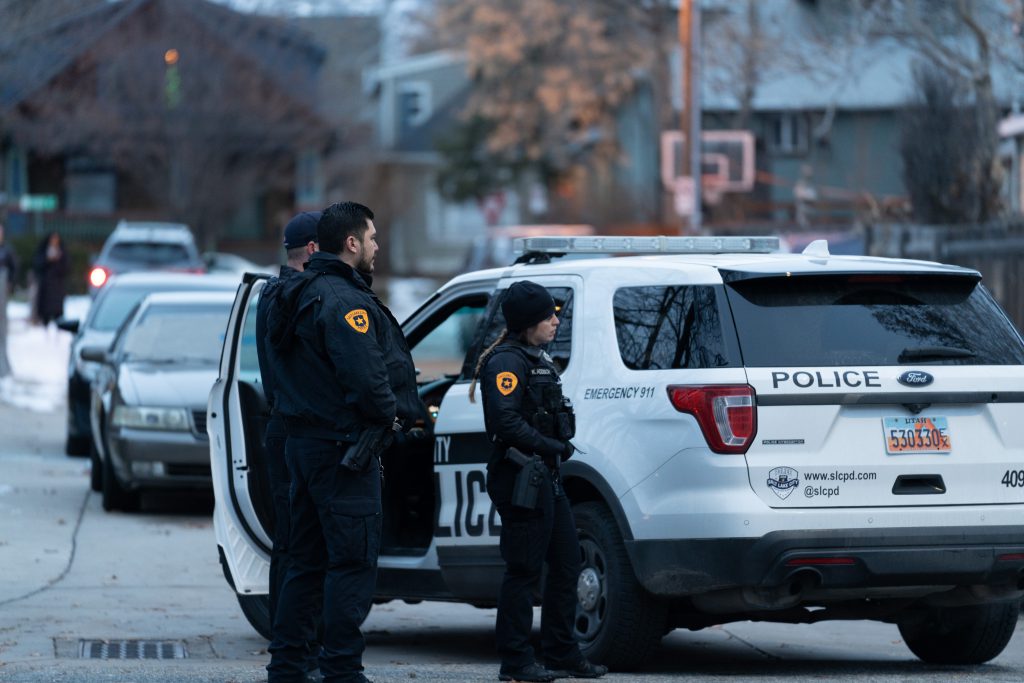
(939, 352)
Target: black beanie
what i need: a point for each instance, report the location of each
(525, 304)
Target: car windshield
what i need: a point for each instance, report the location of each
(150, 253)
(870, 319)
(178, 333)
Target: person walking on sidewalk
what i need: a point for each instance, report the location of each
(8, 271)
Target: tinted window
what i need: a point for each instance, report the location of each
(670, 326)
(559, 349)
(178, 333)
(871, 320)
(150, 253)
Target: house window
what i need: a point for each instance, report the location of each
(308, 179)
(89, 186)
(414, 104)
(789, 133)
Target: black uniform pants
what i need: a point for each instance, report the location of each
(529, 539)
(333, 546)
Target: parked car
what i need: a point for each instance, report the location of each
(148, 401)
(135, 245)
(106, 314)
(761, 436)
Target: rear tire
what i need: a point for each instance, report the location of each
(96, 473)
(256, 609)
(618, 623)
(961, 635)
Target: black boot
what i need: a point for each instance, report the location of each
(530, 672)
(581, 668)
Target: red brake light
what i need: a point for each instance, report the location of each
(727, 414)
(97, 277)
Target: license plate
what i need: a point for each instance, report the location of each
(920, 434)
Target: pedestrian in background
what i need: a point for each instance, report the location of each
(345, 372)
(531, 424)
(8, 272)
(50, 266)
(299, 244)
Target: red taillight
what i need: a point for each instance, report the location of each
(98, 277)
(1011, 557)
(726, 414)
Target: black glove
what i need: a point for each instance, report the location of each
(568, 450)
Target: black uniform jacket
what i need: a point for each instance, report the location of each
(343, 362)
(510, 384)
(265, 353)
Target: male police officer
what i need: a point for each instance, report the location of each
(299, 244)
(345, 371)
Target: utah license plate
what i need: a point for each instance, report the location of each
(919, 434)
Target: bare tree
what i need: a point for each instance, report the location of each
(199, 124)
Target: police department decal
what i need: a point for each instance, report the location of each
(783, 480)
(507, 383)
(359, 320)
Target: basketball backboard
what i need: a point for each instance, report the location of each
(727, 162)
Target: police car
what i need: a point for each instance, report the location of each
(762, 436)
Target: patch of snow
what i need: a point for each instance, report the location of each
(39, 358)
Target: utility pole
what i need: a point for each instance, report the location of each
(689, 41)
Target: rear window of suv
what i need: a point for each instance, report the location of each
(150, 253)
(870, 319)
(671, 326)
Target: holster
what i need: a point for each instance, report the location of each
(371, 443)
(530, 479)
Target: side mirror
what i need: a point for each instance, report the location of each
(96, 354)
(68, 325)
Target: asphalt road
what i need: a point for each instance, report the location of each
(71, 572)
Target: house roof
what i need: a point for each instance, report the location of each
(31, 60)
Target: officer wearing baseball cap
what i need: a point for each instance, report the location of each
(530, 424)
(300, 243)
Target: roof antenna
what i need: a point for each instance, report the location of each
(817, 249)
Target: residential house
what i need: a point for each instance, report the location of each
(180, 109)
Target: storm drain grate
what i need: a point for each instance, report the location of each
(132, 649)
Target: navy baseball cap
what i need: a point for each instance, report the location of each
(301, 230)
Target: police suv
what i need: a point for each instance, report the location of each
(762, 436)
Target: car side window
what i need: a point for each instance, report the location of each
(670, 326)
(559, 349)
(442, 350)
(248, 362)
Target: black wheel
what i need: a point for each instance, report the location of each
(77, 446)
(618, 623)
(96, 473)
(115, 497)
(960, 635)
(256, 609)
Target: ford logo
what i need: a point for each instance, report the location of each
(915, 378)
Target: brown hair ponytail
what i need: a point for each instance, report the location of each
(483, 359)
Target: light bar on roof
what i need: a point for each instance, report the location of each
(607, 244)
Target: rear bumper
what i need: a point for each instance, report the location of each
(78, 406)
(836, 559)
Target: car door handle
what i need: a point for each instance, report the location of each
(918, 484)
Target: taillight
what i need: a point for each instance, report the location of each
(98, 276)
(727, 414)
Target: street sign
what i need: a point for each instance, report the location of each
(37, 202)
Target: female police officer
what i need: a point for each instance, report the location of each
(530, 425)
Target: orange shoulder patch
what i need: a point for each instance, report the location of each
(507, 382)
(358, 320)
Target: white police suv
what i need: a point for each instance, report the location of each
(762, 436)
